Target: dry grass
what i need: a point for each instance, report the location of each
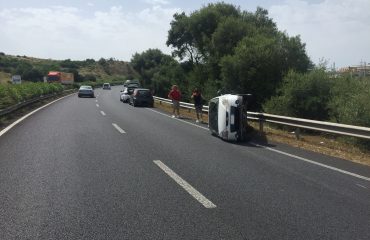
(4, 77)
(316, 143)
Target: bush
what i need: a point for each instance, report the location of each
(13, 94)
(302, 95)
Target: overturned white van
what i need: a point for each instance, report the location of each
(226, 116)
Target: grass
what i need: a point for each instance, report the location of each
(324, 144)
(12, 94)
(4, 77)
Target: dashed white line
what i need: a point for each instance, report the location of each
(118, 128)
(103, 113)
(185, 185)
(97, 105)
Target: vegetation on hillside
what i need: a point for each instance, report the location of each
(33, 69)
(13, 94)
(222, 49)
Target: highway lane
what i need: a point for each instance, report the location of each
(67, 173)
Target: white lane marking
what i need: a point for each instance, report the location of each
(316, 163)
(97, 105)
(185, 185)
(96, 100)
(103, 113)
(118, 128)
(281, 152)
(195, 125)
(2, 132)
(362, 186)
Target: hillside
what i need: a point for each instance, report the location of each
(34, 69)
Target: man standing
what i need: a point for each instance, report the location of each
(198, 104)
(175, 96)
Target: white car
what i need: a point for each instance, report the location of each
(106, 86)
(124, 96)
(226, 117)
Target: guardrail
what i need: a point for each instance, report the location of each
(15, 107)
(298, 123)
(186, 105)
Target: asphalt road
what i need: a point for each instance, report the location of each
(86, 168)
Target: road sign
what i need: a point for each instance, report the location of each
(16, 79)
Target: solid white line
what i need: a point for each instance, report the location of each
(97, 105)
(281, 152)
(195, 125)
(361, 186)
(313, 162)
(118, 128)
(2, 132)
(185, 185)
(102, 113)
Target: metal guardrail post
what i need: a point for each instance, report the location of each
(260, 120)
(297, 133)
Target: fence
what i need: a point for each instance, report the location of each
(13, 108)
(298, 123)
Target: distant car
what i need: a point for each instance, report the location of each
(124, 96)
(142, 97)
(86, 91)
(106, 86)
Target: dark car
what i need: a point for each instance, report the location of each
(84, 91)
(142, 97)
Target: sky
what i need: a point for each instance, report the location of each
(334, 31)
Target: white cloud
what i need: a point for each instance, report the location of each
(336, 30)
(90, 4)
(62, 32)
(157, 2)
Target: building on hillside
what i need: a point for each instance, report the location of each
(361, 70)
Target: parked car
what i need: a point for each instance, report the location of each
(124, 96)
(142, 97)
(106, 86)
(131, 82)
(86, 91)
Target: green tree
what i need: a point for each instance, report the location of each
(302, 95)
(235, 50)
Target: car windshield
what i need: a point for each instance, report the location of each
(133, 85)
(86, 88)
(144, 93)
